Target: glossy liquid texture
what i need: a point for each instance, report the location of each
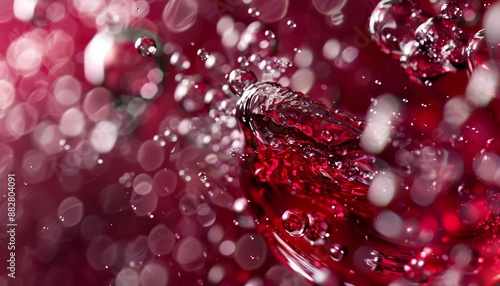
(128, 157)
(293, 170)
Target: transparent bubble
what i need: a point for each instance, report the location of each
(153, 274)
(318, 228)
(161, 240)
(250, 252)
(295, 222)
(70, 211)
(240, 79)
(145, 46)
(338, 252)
(203, 54)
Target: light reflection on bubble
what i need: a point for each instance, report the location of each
(136, 251)
(144, 204)
(153, 274)
(97, 104)
(189, 253)
(250, 252)
(70, 211)
(101, 252)
(180, 15)
(72, 122)
(271, 11)
(103, 137)
(127, 277)
(6, 159)
(161, 240)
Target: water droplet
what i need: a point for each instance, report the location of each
(338, 252)
(203, 54)
(240, 79)
(291, 24)
(145, 46)
(295, 222)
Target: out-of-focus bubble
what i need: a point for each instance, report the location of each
(70, 211)
(380, 119)
(25, 53)
(136, 251)
(190, 93)
(180, 15)
(97, 104)
(150, 155)
(250, 252)
(103, 137)
(143, 205)
(328, 7)
(164, 182)
(127, 277)
(6, 159)
(153, 274)
(6, 10)
(7, 95)
(101, 252)
(189, 253)
(257, 40)
(271, 11)
(21, 119)
(142, 184)
(161, 240)
(91, 227)
(72, 122)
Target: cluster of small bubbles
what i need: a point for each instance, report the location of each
(426, 46)
(126, 179)
(145, 46)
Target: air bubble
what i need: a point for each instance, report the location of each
(145, 46)
(295, 222)
(338, 252)
(203, 54)
(240, 79)
(318, 228)
(202, 176)
(291, 24)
